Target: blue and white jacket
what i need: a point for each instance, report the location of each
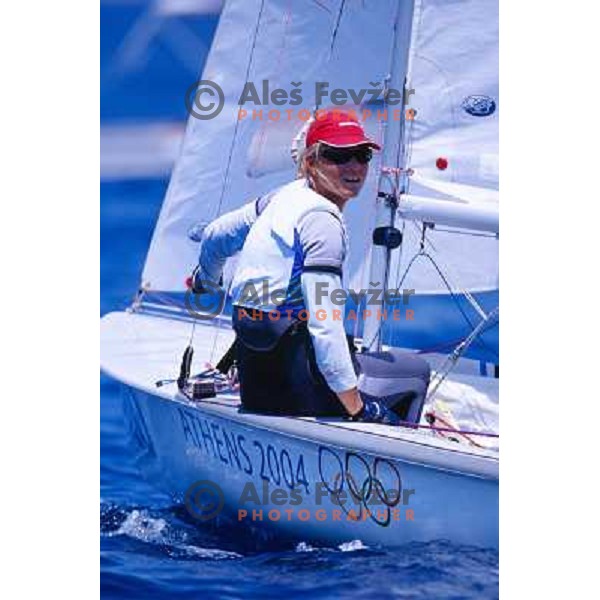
(298, 242)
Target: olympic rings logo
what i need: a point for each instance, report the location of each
(355, 469)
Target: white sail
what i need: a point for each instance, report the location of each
(453, 141)
(226, 161)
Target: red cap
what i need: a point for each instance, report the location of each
(337, 128)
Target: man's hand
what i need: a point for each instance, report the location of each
(375, 411)
(367, 411)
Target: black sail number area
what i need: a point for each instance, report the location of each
(373, 484)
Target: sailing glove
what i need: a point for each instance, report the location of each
(375, 411)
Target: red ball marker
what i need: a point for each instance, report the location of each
(441, 163)
(188, 283)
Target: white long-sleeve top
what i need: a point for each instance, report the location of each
(314, 252)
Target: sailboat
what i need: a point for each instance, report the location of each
(432, 199)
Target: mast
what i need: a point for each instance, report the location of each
(392, 179)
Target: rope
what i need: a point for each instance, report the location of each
(449, 429)
(459, 351)
(321, 5)
(449, 285)
(237, 121)
(336, 27)
(463, 343)
(219, 326)
(470, 298)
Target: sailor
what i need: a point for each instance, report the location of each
(293, 356)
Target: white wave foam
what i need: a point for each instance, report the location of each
(141, 526)
(345, 547)
(211, 553)
(304, 547)
(352, 546)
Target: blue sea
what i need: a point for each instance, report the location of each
(148, 547)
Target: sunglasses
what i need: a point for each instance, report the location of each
(341, 156)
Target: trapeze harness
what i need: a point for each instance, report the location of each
(278, 370)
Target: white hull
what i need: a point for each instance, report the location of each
(179, 443)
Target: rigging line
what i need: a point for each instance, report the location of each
(452, 359)
(232, 147)
(442, 346)
(219, 324)
(470, 298)
(400, 249)
(465, 432)
(454, 297)
(321, 5)
(452, 294)
(237, 121)
(281, 59)
(483, 314)
(192, 332)
(449, 344)
(337, 26)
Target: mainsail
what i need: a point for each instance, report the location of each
(453, 140)
(226, 161)
(450, 209)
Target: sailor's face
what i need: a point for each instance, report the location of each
(339, 173)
